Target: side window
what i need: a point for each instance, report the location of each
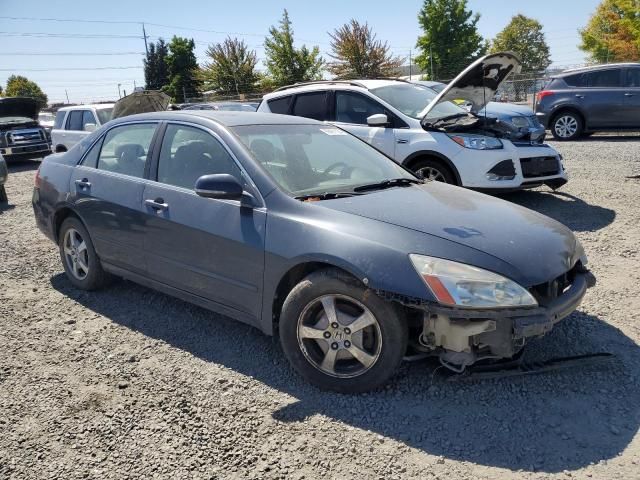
(91, 158)
(74, 120)
(604, 78)
(280, 105)
(355, 108)
(311, 105)
(125, 148)
(59, 119)
(577, 80)
(187, 153)
(632, 77)
(87, 117)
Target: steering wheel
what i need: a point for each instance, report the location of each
(333, 166)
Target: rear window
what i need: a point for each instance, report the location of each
(577, 80)
(632, 77)
(280, 105)
(311, 105)
(604, 78)
(59, 119)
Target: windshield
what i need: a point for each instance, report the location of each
(45, 117)
(412, 99)
(104, 114)
(317, 159)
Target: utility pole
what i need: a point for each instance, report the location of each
(65, 92)
(119, 94)
(410, 66)
(431, 60)
(144, 35)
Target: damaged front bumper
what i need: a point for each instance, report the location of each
(461, 337)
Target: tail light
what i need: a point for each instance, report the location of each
(544, 93)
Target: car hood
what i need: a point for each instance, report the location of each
(18, 107)
(495, 109)
(478, 83)
(141, 102)
(538, 247)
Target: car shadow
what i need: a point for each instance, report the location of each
(5, 207)
(544, 423)
(572, 211)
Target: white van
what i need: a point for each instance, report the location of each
(72, 124)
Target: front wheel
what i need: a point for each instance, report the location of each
(567, 126)
(434, 170)
(341, 336)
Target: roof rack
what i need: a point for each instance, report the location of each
(320, 82)
(398, 79)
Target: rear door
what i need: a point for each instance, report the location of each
(208, 247)
(603, 98)
(631, 107)
(107, 192)
(351, 112)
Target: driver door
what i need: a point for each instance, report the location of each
(351, 112)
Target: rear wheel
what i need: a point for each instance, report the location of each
(81, 264)
(3, 195)
(434, 170)
(340, 335)
(567, 126)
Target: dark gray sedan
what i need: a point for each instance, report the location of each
(307, 232)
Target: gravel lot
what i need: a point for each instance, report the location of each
(129, 383)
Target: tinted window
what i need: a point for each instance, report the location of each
(104, 114)
(188, 153)
(124, 149)
(280, 105)
(632, 77)
(603, 78)
(311, 105)
(74, 120)
(59, 119)
(577, 80)
(87, 117)
(91, 158)
(355, 108)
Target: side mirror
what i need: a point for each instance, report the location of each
(378, 120)
(90, 127)
(223, 186)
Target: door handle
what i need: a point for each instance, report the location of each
(402, 140)
(157, 204)
(628, 94)
(579, 96)
(83, 184)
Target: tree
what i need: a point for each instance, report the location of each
(613, 32)
(450, 40)
(359, 54)
(524, 37)
(19, 86)
(156, 70)
(287, 64)
(232, 67)
(183, 70)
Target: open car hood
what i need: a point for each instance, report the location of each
(18, 107)
(478, 83)
(141, 102)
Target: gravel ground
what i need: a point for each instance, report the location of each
(129, 383)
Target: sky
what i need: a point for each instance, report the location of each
(88, 60)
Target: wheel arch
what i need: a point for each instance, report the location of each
(568, 108)
(61, 214)
(60, 149)
(415, 157)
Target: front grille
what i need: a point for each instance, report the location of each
(546, 292)
(539, 166)
(21, 137)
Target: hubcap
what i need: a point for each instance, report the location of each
(339, 336)
(433, 174)
(566, 126)
(75, 254)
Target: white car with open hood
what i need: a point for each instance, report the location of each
(428, 132)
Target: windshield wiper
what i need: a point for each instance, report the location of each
(394, 182)
(326, 195)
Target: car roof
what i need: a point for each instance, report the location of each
(596, 67)
(225, 118)
(363, 84)
(97, 106)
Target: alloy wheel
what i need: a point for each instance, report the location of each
(339, 336)
(433, 174)
(76, 254)
(566, 126)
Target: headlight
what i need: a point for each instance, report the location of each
(520, 122)
(461, 285)
(476, 142)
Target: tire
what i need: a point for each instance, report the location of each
(3, 195)
(85, 272)
(567, 126)
(435, 170)
(380, 340)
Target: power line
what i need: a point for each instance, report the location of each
(20, 54)
(64, 69)
(68, 20)
(65, 35)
